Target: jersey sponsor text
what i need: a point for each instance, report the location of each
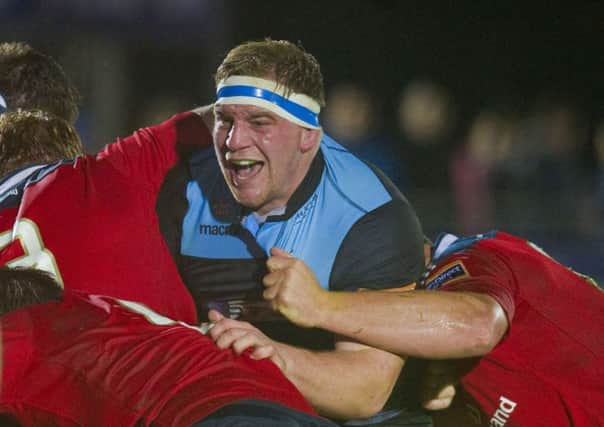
(503, 413)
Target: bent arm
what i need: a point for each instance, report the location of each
(427, 324)
(352, 381)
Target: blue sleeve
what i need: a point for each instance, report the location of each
(384, 249)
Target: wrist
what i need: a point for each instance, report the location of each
(326, 306)
(283, 361)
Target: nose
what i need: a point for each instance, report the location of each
(236, 138)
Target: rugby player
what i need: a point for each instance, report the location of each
(273, 178)
(90, 220)
(30, 79)
(70, 358)
(525, 331)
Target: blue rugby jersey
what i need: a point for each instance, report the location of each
(347, 221)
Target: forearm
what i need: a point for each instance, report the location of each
(342, 384)
(417, 323)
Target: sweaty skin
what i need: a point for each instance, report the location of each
(263, 156)
(433, 325)
(430, 325)
(320, 376)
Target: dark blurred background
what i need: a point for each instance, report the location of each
(486, 114)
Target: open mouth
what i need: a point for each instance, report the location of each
(244, 169)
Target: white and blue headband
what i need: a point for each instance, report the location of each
(3, 105)
(295, 107)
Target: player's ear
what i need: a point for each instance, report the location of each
(310, 139)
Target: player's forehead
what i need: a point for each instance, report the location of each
(242, 111)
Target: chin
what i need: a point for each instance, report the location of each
(247, 202)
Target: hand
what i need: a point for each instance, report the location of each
(293, 289)
(240, 336)
(438, 387)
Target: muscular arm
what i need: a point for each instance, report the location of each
(355, 381)
(351, 381)
(435, 325)
(427, 324)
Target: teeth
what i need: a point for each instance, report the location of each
(244, 163)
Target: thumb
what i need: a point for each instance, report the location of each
(215, 315)
(278, 252)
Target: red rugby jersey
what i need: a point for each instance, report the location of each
(549, 368)
(90, 361)
(92, 222)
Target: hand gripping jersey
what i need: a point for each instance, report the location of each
(92, 223)
(548, 370)
(96, 361)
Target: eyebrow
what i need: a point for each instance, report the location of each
(249, 116)
(261, 115)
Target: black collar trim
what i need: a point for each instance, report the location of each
(225, 207)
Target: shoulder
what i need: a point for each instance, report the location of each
(185, 129)
(190, 118)
(384, 245)
(203, 165)
(362, 184)
(458, 258)
(383, 249)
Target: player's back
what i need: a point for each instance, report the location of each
(554, 348)
(95, 360)
(91, 222)
(569, 299)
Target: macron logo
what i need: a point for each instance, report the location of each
(219, 230)
(502, 414)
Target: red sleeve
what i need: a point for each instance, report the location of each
(482, 271)
(149, 153)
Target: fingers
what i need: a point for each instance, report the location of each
(228, 338)
(442, 399)
(240, 336)
(270, 292)
(269, 351)
(215, 316)
(271, 279)
(281, 261)
(433, 389)
(278, 252)
(241, 340)
(438, 404)
(438, 389)
(224, 324)
(248, 340)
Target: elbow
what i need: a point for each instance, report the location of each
(368, 401)
(359, 409)
(369, 407)
(356, 406)
(483, 343)
(374, 402)
(489, 329)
